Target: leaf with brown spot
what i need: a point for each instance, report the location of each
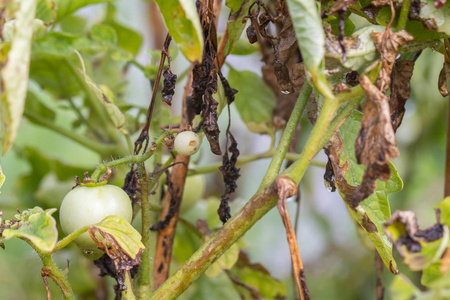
(373, 211)
(420, 249)
(400, 90)
(121, 242)
(375, 143)
(387, 44)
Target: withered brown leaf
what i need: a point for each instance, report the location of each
(375, 143)
(400, 90)
(387, 44)
(122, 261)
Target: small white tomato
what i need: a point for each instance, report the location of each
(187, 143)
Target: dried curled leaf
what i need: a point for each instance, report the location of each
(400, 90)
(230, 175)
(121, 242)
(387, 44)
(375, 143)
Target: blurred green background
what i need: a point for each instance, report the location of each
(337, 264)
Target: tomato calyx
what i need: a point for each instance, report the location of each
(87, 181)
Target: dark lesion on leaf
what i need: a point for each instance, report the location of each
(412, 237)
(230, 175)
(368, 225)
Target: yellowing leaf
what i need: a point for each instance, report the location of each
(183, 24)
(35, 226)
(14, 73)
(128, 238)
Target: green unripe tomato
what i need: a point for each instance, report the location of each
(187, 143)
(194, 189)
(84, 206)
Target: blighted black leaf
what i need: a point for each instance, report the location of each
(228, 90)
(328, 176)
(230, 175)
(387, 44)
(400, 90)
(371, 10)
(169, 86)
(251, 34)
(209, 116)
(107, 268)
(352, 78)
(131, 184)
(375, 143)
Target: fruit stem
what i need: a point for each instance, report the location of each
(68, 239)
(131, 159)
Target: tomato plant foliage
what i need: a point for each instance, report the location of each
(274, 81)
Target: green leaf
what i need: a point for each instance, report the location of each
(311, 40)
(128, 238)
(225, 262)
(440, 16)
(402, 288)
(204, 287)
(101, 94)
(37, 227)
(183, 24)
(375, 209)
(46, 11)
(256, 276)
(255, 101)
(444, 207)
(38, 101)
(104, 34)
(349, 27)
(73, 25)
(66, 7)
(234, 5)
(14, 73)
(239, 9)
(127, 39)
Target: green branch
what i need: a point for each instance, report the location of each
(145, 271)
(298, 168)
(404, 14)
(68, 239)
(286, 138)
(132, 159)
(101, 148)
